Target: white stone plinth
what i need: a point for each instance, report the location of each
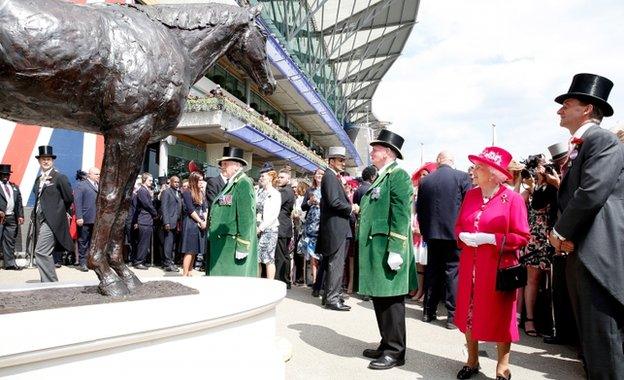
(226, 331)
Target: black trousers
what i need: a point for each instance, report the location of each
(144, 242)
(282, 260)
(441, 275)
(8, 233)
(334, 270)
(600, 321)
(390, 313)
(565, 327)
(168, 247)
(84, 242)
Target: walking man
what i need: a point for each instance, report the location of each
(84, 201)
(440, 195)
(387, 265)
(591, 225)
(11, 216)
(53, 200)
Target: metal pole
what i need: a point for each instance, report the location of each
(422, 154)
(493, 134)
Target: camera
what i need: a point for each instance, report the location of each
(530, 166)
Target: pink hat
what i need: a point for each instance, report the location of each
(495, 157)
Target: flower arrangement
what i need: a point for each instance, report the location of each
(251, 117)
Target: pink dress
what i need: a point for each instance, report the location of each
(489, 315)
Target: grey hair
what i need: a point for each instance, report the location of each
(499, 176)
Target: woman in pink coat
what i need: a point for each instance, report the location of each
(489, 212)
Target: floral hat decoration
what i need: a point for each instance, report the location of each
(495, 157)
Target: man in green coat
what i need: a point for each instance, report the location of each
(233, 237)
(386, 260)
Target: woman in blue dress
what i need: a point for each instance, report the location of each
(194, 224)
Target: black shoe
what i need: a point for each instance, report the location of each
(171, 268)
(467, 372)
(451, 326)
(372, 354)
(83, 268)
(555, 339)
(337, 306)
(386, 362)
(140, 267)
(288, 286)
(57, 266)
(503, 377)
(429, 318)
(315, 293)
(14, 267)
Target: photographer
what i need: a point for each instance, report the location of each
(541, 182)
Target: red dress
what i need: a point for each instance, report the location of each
(489, 314)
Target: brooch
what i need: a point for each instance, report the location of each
(573, 154)
(504, 198)
(375, 193)
(225, 200)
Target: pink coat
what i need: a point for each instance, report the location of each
(493, 312)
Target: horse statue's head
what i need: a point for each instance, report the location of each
(249, 52)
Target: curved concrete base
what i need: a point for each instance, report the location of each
(228, 330)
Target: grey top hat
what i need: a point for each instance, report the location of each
(231, 153)
(337, 151)
(46, 151)
(5, 169)
(590, 88)
(558, 150)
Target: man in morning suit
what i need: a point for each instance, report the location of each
(85, 195)
(145, 213)
(386, 262)
(334, 228)
(214, 185)
(53, 200)
(171, 209)
(233, 238)
(440, 196)
(591, 225)
(11, 216)
(285, 229)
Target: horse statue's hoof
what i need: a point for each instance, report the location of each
(116, 288)
(131, 280)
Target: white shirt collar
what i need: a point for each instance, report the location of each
(385, 167)
(581, 131)
(223, 177)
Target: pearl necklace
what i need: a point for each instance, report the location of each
(487, 198)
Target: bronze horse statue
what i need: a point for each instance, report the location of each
(123, 71)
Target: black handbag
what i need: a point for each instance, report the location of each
(510, 278)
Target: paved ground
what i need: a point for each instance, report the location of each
(328, 344)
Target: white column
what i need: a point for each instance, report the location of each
(163, 158)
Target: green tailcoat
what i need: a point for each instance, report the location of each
(233, 228)
(384, 226)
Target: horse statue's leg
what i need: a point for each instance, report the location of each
(124, 151)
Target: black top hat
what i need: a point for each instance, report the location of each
(46, 151)
(5, 169)
(231, 153)
(591, 88)
(391, 140)
(267, 167)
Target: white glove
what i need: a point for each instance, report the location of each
(468, 238)
(240, 255)
(483, 238)
(476, 239)
(394, 261)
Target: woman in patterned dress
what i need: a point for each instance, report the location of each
(541, 192)
(492, 219)
(310, 204)
(268, 203)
